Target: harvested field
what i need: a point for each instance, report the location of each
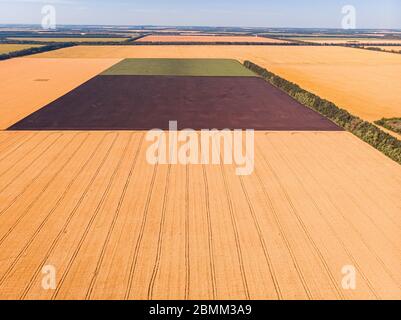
(364, 82)
(200, 38)
(180, 67)
(75, 39)
(115, 227)
(7, 48)
(29, 84)
(147, 102)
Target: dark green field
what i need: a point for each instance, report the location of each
(180, 67)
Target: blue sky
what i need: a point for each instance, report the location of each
(251, 13)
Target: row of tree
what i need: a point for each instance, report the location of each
(366, 131)
(33, 50)
(393, 124)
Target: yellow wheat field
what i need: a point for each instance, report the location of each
(364, 82)
(205, 38)
(29, 84)
(115, 227)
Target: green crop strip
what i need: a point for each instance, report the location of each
(180, 67)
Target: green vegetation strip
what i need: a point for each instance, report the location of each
(7, 48)
(180, 67)
(33, 50)
(393, 124)
(366, 131)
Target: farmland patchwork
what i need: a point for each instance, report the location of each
(112, 224)
(142, 94)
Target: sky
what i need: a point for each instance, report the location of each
(375, 14)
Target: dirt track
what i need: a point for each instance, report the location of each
(116, 227)
(147, 102)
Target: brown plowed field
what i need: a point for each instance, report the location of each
(29, 84)
(116, 227)
(366, 83)
(232, 39)
(147, 102)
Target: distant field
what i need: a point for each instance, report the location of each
(179, 67)
(365, 82)
(346, 40)
(7, 48)
(71, 39)
(115, 226)
(233, 39)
